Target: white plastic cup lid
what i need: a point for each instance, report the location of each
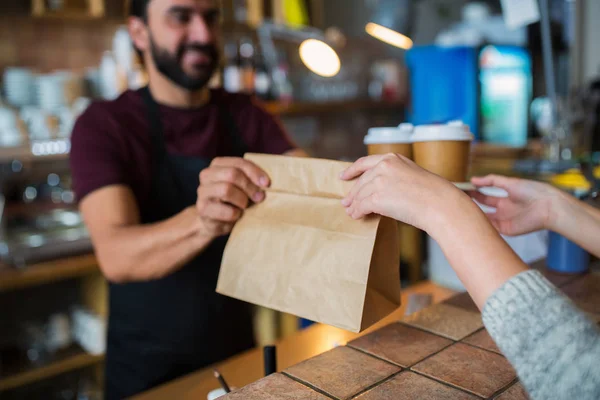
(453, 131)
(387, 135)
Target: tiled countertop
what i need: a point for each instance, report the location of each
(441, 352)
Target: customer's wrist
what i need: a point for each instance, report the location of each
(452, 210)
(560, 203)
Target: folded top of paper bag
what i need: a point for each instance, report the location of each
(304, 176)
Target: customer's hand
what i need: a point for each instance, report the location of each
(396, 187)
(529, 206)
(226, 189)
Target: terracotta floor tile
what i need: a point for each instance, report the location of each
(462, 300)
(411, 386)
(446, 320)
(275, 387)
(400, 344)
(585, 292)
(515, 392)
(482, 339)
(478, 371)
(342, 372)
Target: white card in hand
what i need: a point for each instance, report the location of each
(518, 13)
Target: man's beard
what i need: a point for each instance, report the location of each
(170, 64)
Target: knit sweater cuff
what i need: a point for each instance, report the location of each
(520, 293)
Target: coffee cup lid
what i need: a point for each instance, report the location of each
(400, 134)
(452, 131)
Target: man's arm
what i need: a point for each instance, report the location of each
(129, 251)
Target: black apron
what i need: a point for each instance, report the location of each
(162, 329)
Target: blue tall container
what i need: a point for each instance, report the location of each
(443, 84)
(565, 256)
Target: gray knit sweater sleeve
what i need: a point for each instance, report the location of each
(553, 346)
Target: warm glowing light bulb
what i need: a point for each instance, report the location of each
(320, 58)
(389, 36)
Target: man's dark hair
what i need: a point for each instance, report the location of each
(138, 8)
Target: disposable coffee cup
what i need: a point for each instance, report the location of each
(390, 140)
(443, 149)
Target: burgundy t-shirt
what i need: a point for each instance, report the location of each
(111, 143)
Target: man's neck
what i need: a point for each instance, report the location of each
(167, 93)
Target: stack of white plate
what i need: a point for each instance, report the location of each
(37, 122)
(10, 134)
(19, 86)
(56, 91)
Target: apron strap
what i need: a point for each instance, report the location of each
(159, 149)
(238, 146)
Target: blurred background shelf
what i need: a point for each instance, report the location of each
(51, 271)
(69, 359)
(301, 108)
(282, 109)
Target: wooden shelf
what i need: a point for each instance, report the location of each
(22, 153)
(67, 360)
(69, 16)
(12, 278)
(295, 108)
(95, 10)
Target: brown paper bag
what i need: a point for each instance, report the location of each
(299, 252)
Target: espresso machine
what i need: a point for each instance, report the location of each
(39, 219)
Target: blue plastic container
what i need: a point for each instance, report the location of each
(565, 256)
(443, 85)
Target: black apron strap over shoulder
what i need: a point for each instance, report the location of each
(239, 147)
(159, 148)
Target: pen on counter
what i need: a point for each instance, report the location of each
(224, 384)
(270, 360)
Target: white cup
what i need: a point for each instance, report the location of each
(390, 140)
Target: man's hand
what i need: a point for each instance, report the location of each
(226, 189)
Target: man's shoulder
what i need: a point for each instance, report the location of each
(103, 121)
(103, 114)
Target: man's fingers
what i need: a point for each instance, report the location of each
(218, 211)
(233, 176)
(217, 228)
(224, 192)
(251, 170)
